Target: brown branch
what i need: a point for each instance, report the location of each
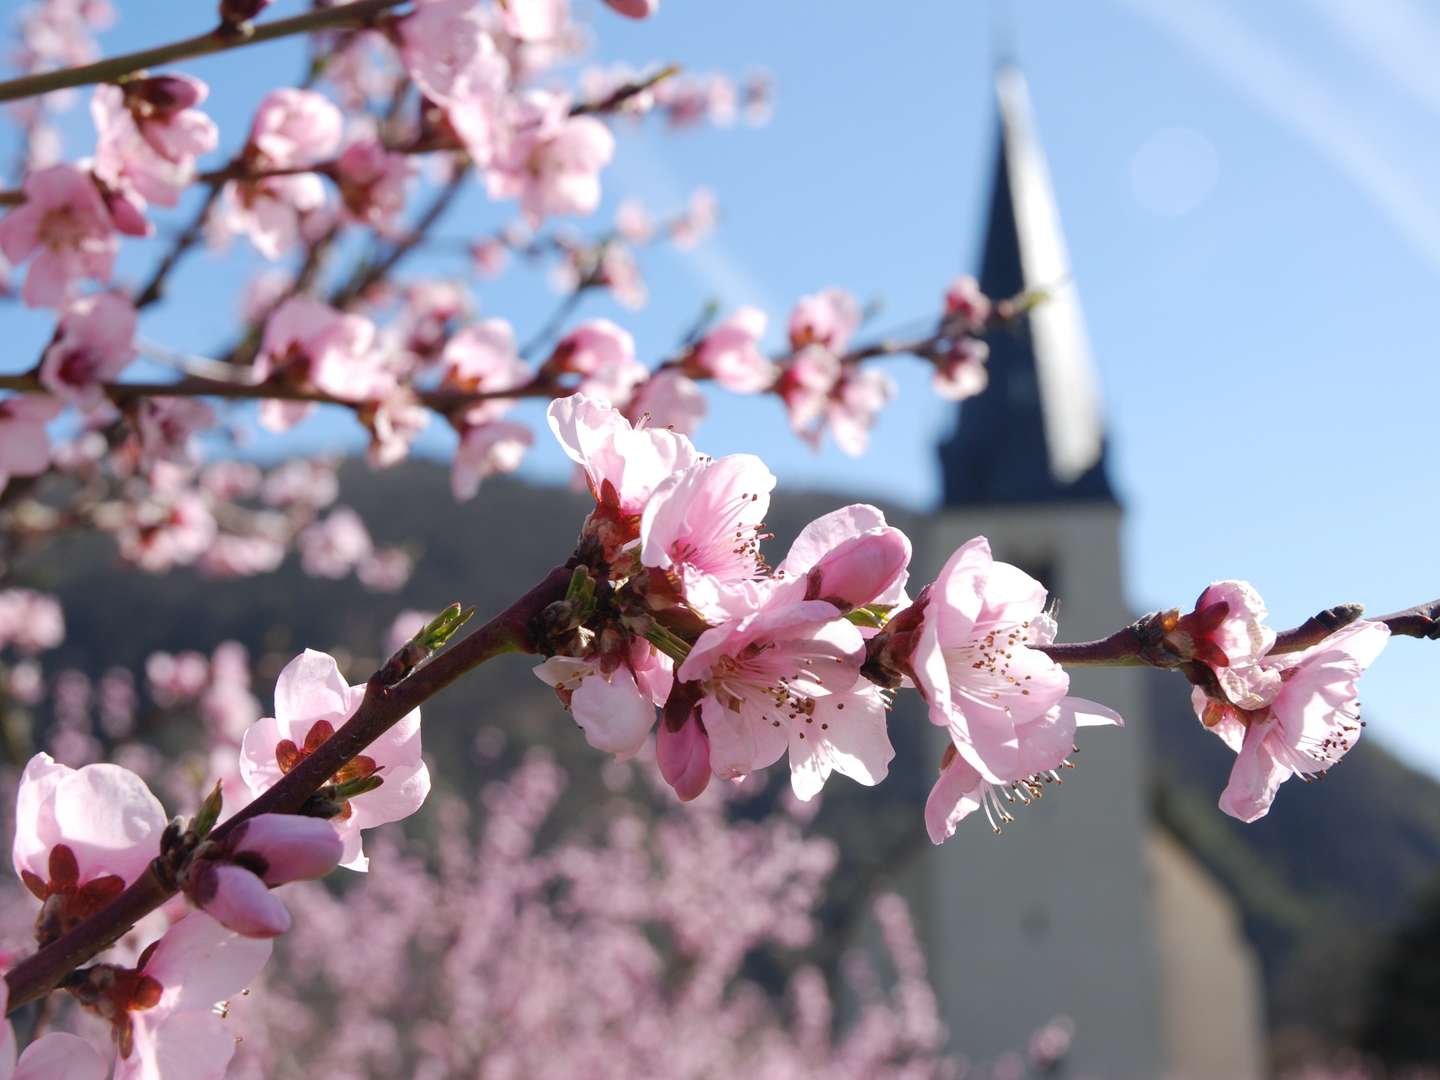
(221, 39)
(382, 707)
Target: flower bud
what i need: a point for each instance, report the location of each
(237, 899)
(860, 569)
(165, 94)
(635, 9)
(234, 12)
(288, 847)
(682, 748)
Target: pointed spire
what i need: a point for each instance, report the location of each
(1036, 433)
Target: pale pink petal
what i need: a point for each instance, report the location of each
(58, 1056)
(957, 794)
(110, 819)
(195, 1045)
(846, 734)
(199, 962)
(310, 688)
(1254, 778)
(240, 901)
(615, 716)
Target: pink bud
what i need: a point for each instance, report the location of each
(288, 847)
(166, 94)
(683, 755)
(860, 569)
(237, 899)
(635, 9)
(233, 12)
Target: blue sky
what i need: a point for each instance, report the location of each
(1249, 197)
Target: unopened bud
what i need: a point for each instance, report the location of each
(209, 813)
(682, 747)
(862, 568)
(287, 847)
(237, 899)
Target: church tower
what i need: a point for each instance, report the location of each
(1054, 916)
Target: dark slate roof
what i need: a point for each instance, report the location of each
(1035, 434)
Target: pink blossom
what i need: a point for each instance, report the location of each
(548, 159)
(168, 426)
(730, 354)
(669, 399)
(64, 223)
(394, 422)
(168, 1025)
(432, 307)
(487, 449)
(1045, 743)
(170, 532)
(24, 446)
(1310, 724)
(694, 99)
(332, 547)
(536, 20)
(614, 706)
(447, 48)
(633, 223)
(960, 372)
(854, 404)
(293, 129)
(702, 210)
(623, 465)
(83, 834)
(482, 358)
(176, 678)
(56, 1056)
(604, 355)
(786, 676)
(620, 273)
(489, 256)
(309, 344)
(233, 885)
(312, 700)
(270, 210)
(373, 183)
(682, 751)
(805, 386)
(1227, 633)
(150, 134)
(93, 344)
(849, 558)
(635, 9)
(30, 621)
(386, 570)
(702, 526)
(827, 318)
(972, 661)
(966, 304)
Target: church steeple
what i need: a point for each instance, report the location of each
(1035, 434)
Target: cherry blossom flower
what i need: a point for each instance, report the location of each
(386, 570)
(487, 449)
(849, 558)
(535, 20)
(56, 1056)
(93, 344)
(960, 373)
(548, 159)
(730, 354)
(967, 646)
(786, 677)
(24, 446)
(615, 707)
(373, 183)
(64, 223)
(702, 527)
(394, 422)
(669, 399)
(150, 134)
(702, 210)
(1311, 722)
(623, 464)
(854, 404)
(162, 1012)
(1227, 633)
(447, 48)
(633, 223)
(604, 355)
(233, 884)
(309, 344)
(294, 128)
(167, 427)
(482, 358)
(312, 700)
(268, 210)
(965, 303)
(30, 621)
(334, 546)
(82, 835)
(167, 532)
(827, 318)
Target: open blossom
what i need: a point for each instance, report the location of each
(307, 343)
(168, 426)
(623, 464)
(827, 318)
(312, 701)
(603, 354)
(787, 677)
(52, 1056)
(1310, 723)
(730, 354)
(965, 303)
(536, 20)
(93, 344)
(331, 548)
(162, 1013)
(1227, 633)
(24, 446)
(702, 527)
(960, 372)
(233, 884)
(854, 404)
(669, 399)
(448, 50)
(373, 183)
(483, 358)
(64, 223)
(150, 134)
(82, 835)
(173, 531)
(967, 646)
(614, 703)
(487, 449)
(548, 159)
(30, 621)
(292, 129)
(849, 558)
